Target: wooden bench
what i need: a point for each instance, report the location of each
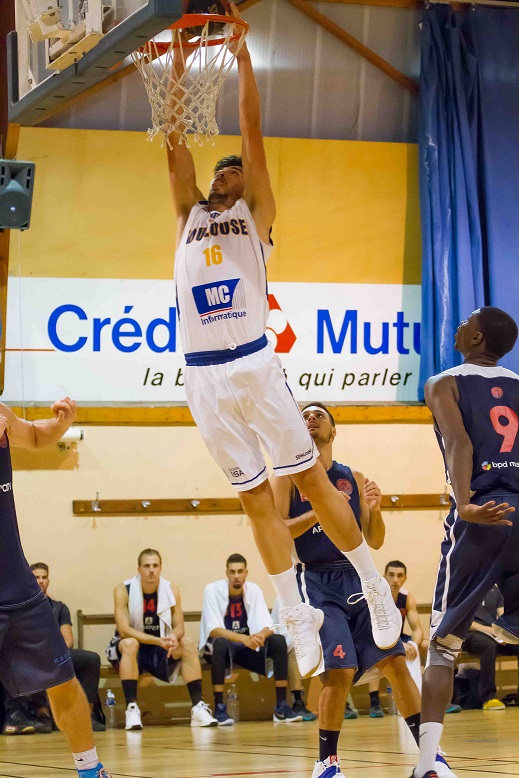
(162, 703)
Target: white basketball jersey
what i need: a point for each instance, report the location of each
(220, 278)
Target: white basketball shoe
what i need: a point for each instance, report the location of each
(386, 619)
(330, 768)
(303, 623)
(201, 716)
(133, 717)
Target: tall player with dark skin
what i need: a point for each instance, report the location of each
(442, 395)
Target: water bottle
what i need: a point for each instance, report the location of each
(111, 719)
(233, 703)
(391, 705)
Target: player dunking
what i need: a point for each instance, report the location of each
(33, 654)
(476, 412)
(235, 385)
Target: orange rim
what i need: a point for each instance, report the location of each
(200, 20)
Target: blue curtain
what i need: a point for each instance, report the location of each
(469, 173)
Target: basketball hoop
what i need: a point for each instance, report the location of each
(183, 77)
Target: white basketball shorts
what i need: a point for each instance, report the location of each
(238, 404)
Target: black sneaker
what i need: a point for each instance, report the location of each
(18, 724)
(284, 714)
(43, 724)
(98, 726)
(376, 712)
(221, 715)
(300, 709)
(350, 713)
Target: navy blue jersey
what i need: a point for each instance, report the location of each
(17, 582)
(314, 547)
(151, 621)
(489, 405)
(235, 618)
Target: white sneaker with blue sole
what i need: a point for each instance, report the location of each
(330, 768)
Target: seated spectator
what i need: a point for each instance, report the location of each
(396, 576)
(237, 629)
(31, 713)
(150, 639)
(483, 643)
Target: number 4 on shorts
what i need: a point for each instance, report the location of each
(339, 652)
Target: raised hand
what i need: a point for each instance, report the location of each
(373, 494)
(64, 411)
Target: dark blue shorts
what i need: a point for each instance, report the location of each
(346, 634)
(33, 654)
(474, 557)
(152, 659)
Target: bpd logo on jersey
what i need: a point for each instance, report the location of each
(486, 466)
(220, 298)
(496, 392)
(343, 485)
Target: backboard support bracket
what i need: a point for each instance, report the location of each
(92, 67)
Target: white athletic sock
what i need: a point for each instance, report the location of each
(361, 560)
(285, 586)
(430, 736)
(86, 760)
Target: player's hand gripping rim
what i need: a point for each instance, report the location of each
(489, 513)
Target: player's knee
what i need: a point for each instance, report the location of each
(220, 647)
(340, 677)
(187, 646)
(129, 646)
(443, 651)
(277, 644)
(396, 666)
(94, 661)
(258, 503)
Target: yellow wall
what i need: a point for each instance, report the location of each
(153, 462)
(347, 211)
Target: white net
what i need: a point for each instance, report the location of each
(183, 78)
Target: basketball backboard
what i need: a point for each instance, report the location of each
(62, 47)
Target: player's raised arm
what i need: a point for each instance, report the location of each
(182, 176)
(370, 498)
(258, 192)
(40, 433)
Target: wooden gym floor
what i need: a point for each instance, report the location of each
(478, 743)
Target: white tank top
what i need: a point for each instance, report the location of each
(221, 280)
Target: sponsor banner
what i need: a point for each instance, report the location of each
(108, 341)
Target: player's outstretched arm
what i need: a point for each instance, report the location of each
(258, 191)
(182, 176)
(441, 399)
(282, 488)
(41, 433)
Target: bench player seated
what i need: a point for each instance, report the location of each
(237, 629)
(150, 639)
